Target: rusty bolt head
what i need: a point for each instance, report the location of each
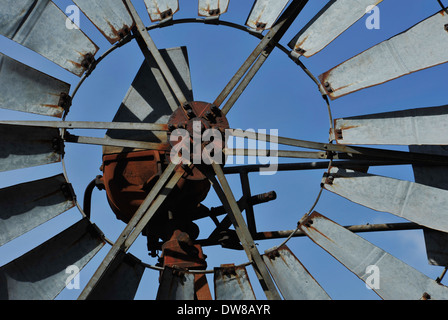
(190, 114)
(214, 12)
(216, 110)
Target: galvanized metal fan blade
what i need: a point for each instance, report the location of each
(121, 280)
(42, 27)
(212, 8)
(292, 278)
(176, 285)
(161, 9)
(423, 126)
(433, 176)
(335, 18)
(232, 283)
(23, 147)
(41, 274)
(23, 88)
(412, 201)
(423, 46)
(110, 17)
(388, 276)
(28, 205)
(147, 102)
(264, 13)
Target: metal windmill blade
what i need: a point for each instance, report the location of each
(166, 160)
(33, 23)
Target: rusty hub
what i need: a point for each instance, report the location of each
(129, 176)
(198, 126)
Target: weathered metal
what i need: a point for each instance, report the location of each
(147, 102)
(227, 198)
(334, 18)
(28, 205)
(370, 153)
(232, 283)
(160, 10)
(121, 280)
(264, 13)
(212, 8)
(180, 251)
(108, 142)
(163, 204)
(436, 242)
(23, 147)
(388, 276)
(270, 40)
(292, 278)
(23, 88)
(127, 177)
(422, 126)
(34, 24)
(176, 285)
(423, 46)
(402, 226)
(131, 227)
(412, 201)
(41, 273)
(90, 125)
(110, 17)
(147, 45)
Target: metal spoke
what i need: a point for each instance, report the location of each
(116, 142)
(90, 125)
(159, 188)
(264, 49)
(225, 194)
(155, 54)
(370, 152)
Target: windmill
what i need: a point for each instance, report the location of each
(161, 199)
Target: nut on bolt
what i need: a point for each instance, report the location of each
(328, 87)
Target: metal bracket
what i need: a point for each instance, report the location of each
(68, 191)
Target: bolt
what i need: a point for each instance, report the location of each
(214, 12)
(328, 87)
(299, 51)
(426, 296)
(216, 110)
(190, 114)
(210, 116)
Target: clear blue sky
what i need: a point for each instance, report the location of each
(280, 97)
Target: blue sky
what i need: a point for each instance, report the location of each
(280, 97)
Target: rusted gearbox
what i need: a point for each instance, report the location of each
(129, 176)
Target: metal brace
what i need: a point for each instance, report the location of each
(68, 191)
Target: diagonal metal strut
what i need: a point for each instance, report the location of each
(154, 52)
(259, 56)
(227, 198)
(145, 212)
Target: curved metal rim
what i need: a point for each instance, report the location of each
(239, 27)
